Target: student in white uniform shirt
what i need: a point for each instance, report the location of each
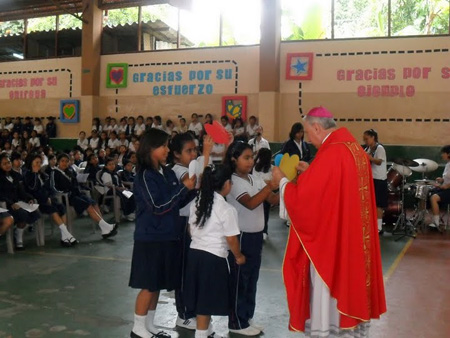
(239, 129)
(195, 125)
(122, 126)
(9, 125)
(157, 123)
(247, 195)
(34, 141)
(113, 142)
(377, 157)
(82, 141)
(214, 228)
(139, 128)
(183, 127)
(38, 126)
(251, 128)
(94, 141)
(226, 123)
(107, 125)
(258, 142)
(183, 150)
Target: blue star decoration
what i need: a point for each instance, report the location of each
(300, 67)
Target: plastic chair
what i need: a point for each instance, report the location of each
(106, 197)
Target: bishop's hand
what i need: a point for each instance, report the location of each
(302, 166)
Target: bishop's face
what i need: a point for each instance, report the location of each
(312, 132)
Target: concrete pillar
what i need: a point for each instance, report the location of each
(90, 63)
(269, 67)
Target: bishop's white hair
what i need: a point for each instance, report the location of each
(325, 122)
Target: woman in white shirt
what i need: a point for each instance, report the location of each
(377, 157)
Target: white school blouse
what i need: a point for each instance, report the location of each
(249, 220)
(212, 237)
(181, 171)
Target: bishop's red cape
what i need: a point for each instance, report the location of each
(334, 227)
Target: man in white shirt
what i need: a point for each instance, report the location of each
(258, 142)
(195, 125)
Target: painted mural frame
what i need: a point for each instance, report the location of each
(304, 75)
(117, 75)
(233, 102)
(69, 111)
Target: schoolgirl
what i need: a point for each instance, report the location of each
(214, 229)
(183, 150)
(247, 196)
(63, 179)
(156, 262)
(37, 183)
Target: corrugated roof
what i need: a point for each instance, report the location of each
(24, 9)
(158, 28)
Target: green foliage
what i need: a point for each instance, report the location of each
(47, 23)
(420, 17)
(312, 27)
(11, 27)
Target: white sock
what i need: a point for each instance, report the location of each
(380, 224)
(436, 220)
(65, 234)
(150, 321)
(201, 333)
(19, 235)
(139, 327)
(105, 227)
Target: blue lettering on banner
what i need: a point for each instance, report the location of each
(198, 81)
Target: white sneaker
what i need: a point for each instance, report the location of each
(265, 236)
(432, 225)
(249, 331)
(189, 324)
(131, 217)
(256, 326)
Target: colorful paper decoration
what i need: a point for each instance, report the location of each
(299, 66)
(234, 107)
(288, 166)
(69, 111)
(116, 75)
(218, 133)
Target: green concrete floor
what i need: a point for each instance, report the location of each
(82, 291)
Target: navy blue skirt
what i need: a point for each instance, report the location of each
(156, 266)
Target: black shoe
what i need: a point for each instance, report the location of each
(134, 335)
(112, 233)
(20, 248)
(73, 241)
(161, 334)
(381, 232)
(66, 243)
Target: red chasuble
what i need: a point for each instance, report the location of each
(334, 227)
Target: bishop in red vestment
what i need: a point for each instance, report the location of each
(332, 267)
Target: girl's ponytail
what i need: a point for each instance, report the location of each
(213, 179)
